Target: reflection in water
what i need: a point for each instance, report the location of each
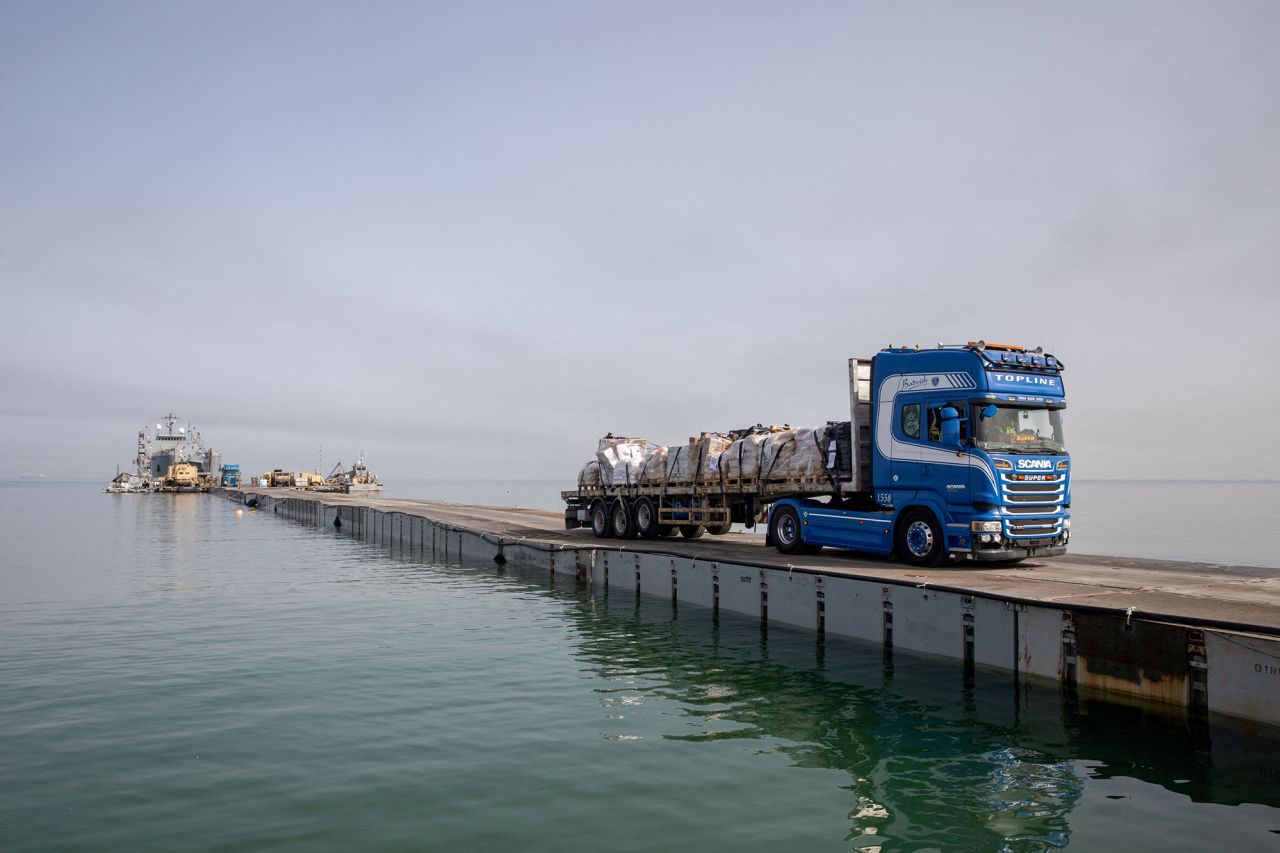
(934, 760)
(931, 759)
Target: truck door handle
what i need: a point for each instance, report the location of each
(925, 470)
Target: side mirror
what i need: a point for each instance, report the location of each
(949, 413)
(989, 412)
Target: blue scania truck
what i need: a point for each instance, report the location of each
(950, 453)
(963, 456)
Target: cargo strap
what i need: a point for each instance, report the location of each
(697, 469)
(645, 467)
(774, 463)
(672, 460)
(720, 464)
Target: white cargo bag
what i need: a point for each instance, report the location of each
(620, 459)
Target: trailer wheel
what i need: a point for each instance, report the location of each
(784, 529)
(665, 530)
(645, 515)
(718, 529)
(600, 520)
(692, 531)
(920, 540)
(623, 525)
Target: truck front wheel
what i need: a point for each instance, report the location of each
(692, 531)
(600, 520)
(920, 540)
(784, 529)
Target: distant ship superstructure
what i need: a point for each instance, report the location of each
(358, 478)
(165, 458)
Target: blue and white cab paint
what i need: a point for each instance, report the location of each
(967, 459)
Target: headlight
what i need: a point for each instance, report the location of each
(986, 527)
(1063, 465)
(1004, 465)
(1066, 524)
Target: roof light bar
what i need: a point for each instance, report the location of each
(983, 345)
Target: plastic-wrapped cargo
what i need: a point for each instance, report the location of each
(794, 456)
(620, 459)
(839, 448)
(589, 476)
(699, 460)
(741, 463)
(678, 469)
(653, 468)
(743, 460)
(712, 447)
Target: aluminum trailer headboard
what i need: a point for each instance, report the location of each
(860, 423)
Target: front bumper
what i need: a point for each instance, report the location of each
(996, 555)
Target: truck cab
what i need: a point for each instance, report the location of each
(967, 460)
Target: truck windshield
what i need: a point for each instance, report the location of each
(1016, 429)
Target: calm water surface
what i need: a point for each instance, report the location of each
(174, 676)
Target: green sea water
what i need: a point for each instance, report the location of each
(177, 676)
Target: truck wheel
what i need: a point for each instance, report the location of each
(784, 529)
(665, 530)
(646, 519)
(718, 529)
(624, 526)
(920, 540)
(692, 531)
(600, 520)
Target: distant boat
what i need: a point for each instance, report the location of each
(356, 479)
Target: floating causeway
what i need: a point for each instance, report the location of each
(1201, 639)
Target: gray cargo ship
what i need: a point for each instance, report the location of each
(169, 446)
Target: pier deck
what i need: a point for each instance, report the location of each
(1198, 636)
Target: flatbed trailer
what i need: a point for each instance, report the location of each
(679, 508)
(712, 505)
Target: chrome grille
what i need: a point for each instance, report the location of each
(1047, 498)
(1027, 523)
(1039, 496)
(1044, 486)
(1034, 526)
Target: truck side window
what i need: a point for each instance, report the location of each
(935, 421)
(911, 420)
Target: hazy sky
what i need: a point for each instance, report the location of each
(472, 237)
